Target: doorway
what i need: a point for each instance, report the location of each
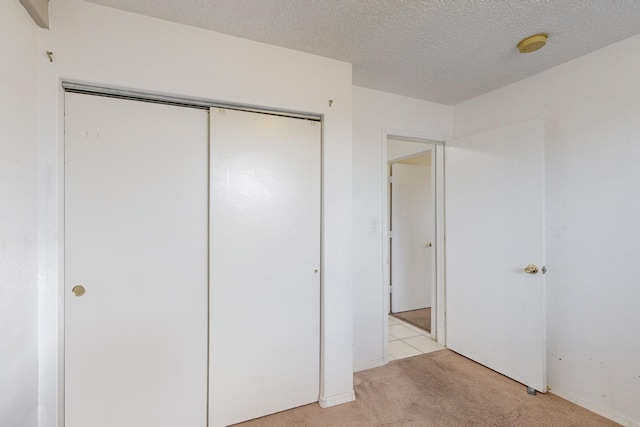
(411, 244)
(411, 215)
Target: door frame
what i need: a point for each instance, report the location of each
(55, 249)
(436, 143)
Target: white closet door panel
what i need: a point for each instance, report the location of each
(136, 237)
(412, 219)
(265, 264)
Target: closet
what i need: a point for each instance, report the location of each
(191, 263)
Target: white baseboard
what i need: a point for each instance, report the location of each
(326, 402)
(595, 408)
(368, 365)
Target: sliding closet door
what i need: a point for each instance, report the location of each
(265, 264)
(136, 263)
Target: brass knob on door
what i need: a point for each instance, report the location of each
(78, 290)
(531, 269)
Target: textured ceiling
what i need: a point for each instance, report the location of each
(444, 51)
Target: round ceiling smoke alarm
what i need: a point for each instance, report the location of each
(533, 43)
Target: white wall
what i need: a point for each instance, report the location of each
(18, 226)
(103, 46)
(592, 118)
(373, 113)
(38, 10)
(397, 148)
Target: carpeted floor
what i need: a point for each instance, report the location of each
(420, 318)
(439, 389)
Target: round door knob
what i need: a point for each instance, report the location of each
(78, 290)
(531, 269)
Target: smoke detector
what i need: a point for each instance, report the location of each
(533, 43)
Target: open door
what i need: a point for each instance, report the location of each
(495, 226)
(412, 216)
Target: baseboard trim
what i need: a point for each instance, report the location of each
(595, 408)
(326, 402)
(368, 365)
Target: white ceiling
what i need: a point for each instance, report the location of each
(444, 51)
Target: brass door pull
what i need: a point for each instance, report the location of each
(78, 290)
(531, 269)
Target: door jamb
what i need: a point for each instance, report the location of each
(437, 142)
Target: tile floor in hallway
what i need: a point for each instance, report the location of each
(406, 340)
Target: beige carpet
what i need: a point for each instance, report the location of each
(420, 318)
(439, 389)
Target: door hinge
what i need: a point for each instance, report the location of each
(544, 269)
(390, 289)
(391, 180)
(390, 234)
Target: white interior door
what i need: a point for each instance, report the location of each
(265, 264)
(412, 217)
(494, 226)
(136, 239)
